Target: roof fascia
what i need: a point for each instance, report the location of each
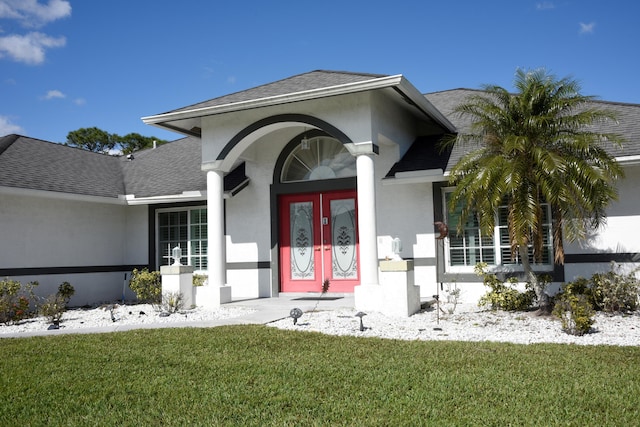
(373, 84)
(628, 160)
(421, 102)
(416, 177)
(187, 196)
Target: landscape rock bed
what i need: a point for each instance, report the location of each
(470, 323)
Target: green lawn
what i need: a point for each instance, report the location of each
(255, 375)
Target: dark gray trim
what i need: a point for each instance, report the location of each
(44, 271)
(557, 274)
(153, 262)
(423, 262)
(601, 257)
(249, 265)
(282, 118)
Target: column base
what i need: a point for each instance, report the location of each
(396, 296)
(211, 297)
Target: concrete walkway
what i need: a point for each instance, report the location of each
(265, 310)
(271, 309)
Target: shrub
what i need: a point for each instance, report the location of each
(199, 279)
(66, 291)
(615, 292)
(504, 295)
(172, 302)
(15, 300)
(146, 285)
(53, 307)
(575, 312)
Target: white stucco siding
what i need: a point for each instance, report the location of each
(405, 211)
(620, 234)
(44, 232)
(351, 114)
(136, 228)
(392, 125)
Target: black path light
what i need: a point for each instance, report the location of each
(443, 229)
(295, 314)
(360, 314)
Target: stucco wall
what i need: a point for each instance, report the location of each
(620, 235)
(46, 233)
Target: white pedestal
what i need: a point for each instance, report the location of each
(396, 296)
(212, 297)
(178, 279)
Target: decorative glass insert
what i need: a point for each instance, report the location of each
(301, 220)
(187, 229)
(343, 232)
(324, 158)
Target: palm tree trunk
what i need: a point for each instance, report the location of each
(544, 303)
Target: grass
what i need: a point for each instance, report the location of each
(255, 375)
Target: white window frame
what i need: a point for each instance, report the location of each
(497, 247)
(186, 252)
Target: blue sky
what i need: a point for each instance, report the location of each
(69, 64)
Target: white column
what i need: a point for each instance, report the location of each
(216, 250)
(367, 231)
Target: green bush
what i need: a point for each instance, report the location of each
(504, 295)
(53, 308)
(66, 291)
(575, 312)
(615, 292)
(199, 279)
(172, 302)
(147, 286)
(15, 300)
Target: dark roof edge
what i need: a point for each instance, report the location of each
(6, 141)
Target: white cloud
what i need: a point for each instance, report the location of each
(79, 101)
(545, 5)
(32, 14)
(587, 28)
(231, 80)
(6, 127)
(54, 94)
(29, 48)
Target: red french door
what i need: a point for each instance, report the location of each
(318, 241)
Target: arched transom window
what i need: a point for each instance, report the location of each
(316, 158)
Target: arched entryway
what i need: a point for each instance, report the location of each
(317, 219)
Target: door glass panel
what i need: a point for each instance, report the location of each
(301, 220)
(343, 233)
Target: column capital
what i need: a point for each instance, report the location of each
(360, 148)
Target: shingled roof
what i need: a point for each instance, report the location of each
(174, 168)
(35, 164)
(317, 79)
(423, 156)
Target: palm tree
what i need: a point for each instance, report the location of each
(536, 146)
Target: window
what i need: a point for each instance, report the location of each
(187, 229)
(463, 251)
(320, 157)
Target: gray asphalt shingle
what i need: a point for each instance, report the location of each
(173, 168)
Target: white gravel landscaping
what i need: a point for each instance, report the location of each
(470, 323)
(124, 315)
